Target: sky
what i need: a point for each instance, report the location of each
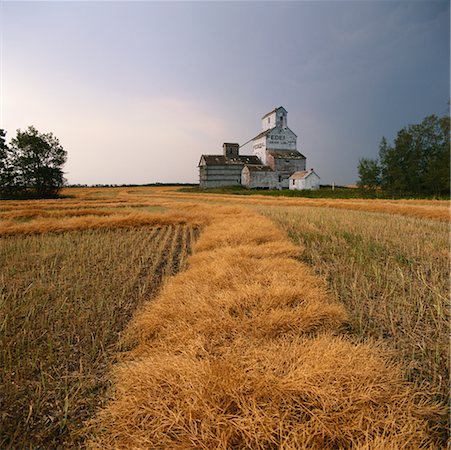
(137, 91)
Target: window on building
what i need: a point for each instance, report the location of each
(269, 119)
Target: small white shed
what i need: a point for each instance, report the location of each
(305, 179)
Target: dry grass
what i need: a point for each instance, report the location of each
(322, 393)
(65, 299)
(62, 211)
(391, 273)
(431, 209)
(169, 197)
(90, 210)
(91, 222)
(245, 349)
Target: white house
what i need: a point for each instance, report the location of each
(305, 179)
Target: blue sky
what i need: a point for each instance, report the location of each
(137, 91)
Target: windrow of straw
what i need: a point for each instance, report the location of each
(48, 207)
(100, 221)
(75, 214)
(244, 349)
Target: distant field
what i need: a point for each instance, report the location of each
(342, 192)
(231, 343)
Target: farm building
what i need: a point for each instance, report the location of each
(306, 179)
(275, 159)
(259, 176)
(225, 169)
(285, 162)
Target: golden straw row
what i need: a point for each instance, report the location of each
(95, 221)
(244, 349)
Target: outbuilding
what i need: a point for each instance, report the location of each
(259, 176)
(285, 163)
(305, 179)
(224, 170)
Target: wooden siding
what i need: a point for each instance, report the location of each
(218, 176)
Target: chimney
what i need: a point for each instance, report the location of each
(231, 150)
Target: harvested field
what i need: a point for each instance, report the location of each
(246, 349)
(247, 346)
(430, 209)
(65, 299)
(45, 219)
(391, 273)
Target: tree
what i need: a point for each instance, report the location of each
(3, 154)
(417, 163)
(436, 166)
(369, 173)
(6, 169)
(399, 164)
(419, 160)
(32, 165)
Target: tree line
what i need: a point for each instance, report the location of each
(31, 165)
(417, 163)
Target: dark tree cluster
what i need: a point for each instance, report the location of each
(418, 162)
(31, 165)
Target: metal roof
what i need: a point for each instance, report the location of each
(302, 174)
(259, 168)
(263, 133)
(289, 154)
(221, 160)
(266, 132)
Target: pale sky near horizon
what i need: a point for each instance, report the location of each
(137, 91)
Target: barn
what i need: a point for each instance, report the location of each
(224, 170)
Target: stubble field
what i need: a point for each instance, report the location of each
(115, 336)
(391, 273)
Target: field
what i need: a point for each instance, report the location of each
(324, 192)
(396, 288)
(294, 323)
(65, 299)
